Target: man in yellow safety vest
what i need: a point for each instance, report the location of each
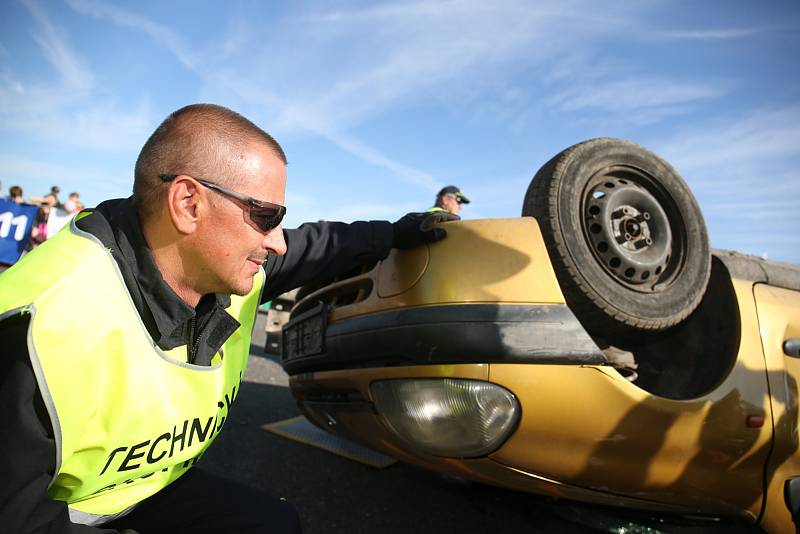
(126, 335)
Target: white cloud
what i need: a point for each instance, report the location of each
(400, 52)
(73, 74)
(97, 127)
(37, 176)
(310, 121)
(745, 173)
(754, 208)
(404, 54)
(711, 35)
(67, 111)
(469, 52)
(640, 100)
(364, 152)
(753, 147)
(19, 99)
(158, 32)
(477, 55)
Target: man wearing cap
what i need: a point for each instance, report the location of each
(450, 199)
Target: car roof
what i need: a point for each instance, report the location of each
(748, 267)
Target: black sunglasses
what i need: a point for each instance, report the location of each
(265, 215)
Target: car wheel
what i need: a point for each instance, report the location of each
(625, 236)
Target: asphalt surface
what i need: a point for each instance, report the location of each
(337, 495)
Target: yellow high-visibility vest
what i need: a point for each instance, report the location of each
(128, 417)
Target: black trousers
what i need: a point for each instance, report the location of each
(202, 503)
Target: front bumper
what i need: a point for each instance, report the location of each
(449, 334)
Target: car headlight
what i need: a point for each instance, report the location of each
(447, 416)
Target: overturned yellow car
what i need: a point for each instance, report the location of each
(593, 349)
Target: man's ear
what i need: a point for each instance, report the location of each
(183, 199)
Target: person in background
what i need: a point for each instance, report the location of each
(39, 229)
(73, 204)
(50, 199)
(449, 199)
(15, 194)
(61, 215)
(134, 379)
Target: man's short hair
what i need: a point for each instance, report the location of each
(196, 140)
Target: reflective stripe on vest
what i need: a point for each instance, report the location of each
(435, 208)
(128, 418)
(93, 520)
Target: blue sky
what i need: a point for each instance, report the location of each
(379, 105)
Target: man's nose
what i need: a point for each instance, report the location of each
(274, 241)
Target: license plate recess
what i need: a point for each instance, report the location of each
(304, 335)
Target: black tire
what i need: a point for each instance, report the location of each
(625, 236)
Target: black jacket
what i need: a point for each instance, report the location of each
(27, 450)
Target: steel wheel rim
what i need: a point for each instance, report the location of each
(633, 228)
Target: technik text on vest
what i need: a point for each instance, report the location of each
(165, 446)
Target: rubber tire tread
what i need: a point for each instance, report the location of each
(598, 313)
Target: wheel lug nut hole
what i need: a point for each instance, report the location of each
(629, 272)
(658, 270)
(609, 185)
(596, 228)
(594, 210)
(614, 263)
(602, 246)
(645, 275)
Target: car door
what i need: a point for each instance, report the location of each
(779, 322)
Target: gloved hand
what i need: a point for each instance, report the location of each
(414, 229)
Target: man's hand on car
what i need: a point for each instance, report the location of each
(414, 229)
